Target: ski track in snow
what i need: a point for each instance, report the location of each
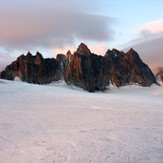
(58, 123)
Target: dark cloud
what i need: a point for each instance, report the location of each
(50, 24)
(150, 50)
(5, 59)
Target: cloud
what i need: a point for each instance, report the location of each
(5, 59)
(150, 28)
(99, 49)
(63, 50)
(149, 44)
(160, 69)
(50, 24)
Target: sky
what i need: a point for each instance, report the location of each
(52, 27)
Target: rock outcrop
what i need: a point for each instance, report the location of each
(159, 77)
(63, 61)
(33, 69)
(83, 69)
(128, 68)
(92, 72)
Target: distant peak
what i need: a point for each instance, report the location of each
(132, 51)
(68, 53)
(115, 51)
(83, 49)
(82, 44)
(112, 53)
(133, 55)
(29, 54)
(39, 55)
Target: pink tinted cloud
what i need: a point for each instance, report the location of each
(150, 50)
(26, 25)
(154, 27)
(99, 49)
(149, 43)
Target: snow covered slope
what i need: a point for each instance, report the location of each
(57, 124)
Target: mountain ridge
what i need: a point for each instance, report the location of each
(83, 68)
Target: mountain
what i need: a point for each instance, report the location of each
(83, 69)
(128, 68)
(34, 69)
(86, 69)
(93, 72)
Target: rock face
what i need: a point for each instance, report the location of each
(128, 68)
(83, 69)
(63, 61)
(92, 72)
(159, 77)
(33, 69)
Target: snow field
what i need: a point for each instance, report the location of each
(59, 123)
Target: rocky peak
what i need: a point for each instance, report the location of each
(39, 55)
(21, 56)
(159, 77)
(29, 54)
(119, 68)
(33, 69)
(38, 58)
(109, 53)
(131, 50)
(116, 52)
(133, 55)
(112, 53)
(68, 54)
(83, 68)
(83, 49)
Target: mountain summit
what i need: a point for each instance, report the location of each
(93, 72)
(83, 49)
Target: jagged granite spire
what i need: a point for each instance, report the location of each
(116, 67)
(83, 69)
(33, 69)
(83, 49)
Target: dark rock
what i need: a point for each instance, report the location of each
(33, 69)
(83, 49)
(92, 72)
(128, 68)
(63, 61)
(83, 68)
(86, 70)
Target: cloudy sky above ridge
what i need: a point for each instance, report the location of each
(52, 26)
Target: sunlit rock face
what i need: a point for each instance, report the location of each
(83, 69)
(92, 72)
(86, 70)
(33, 69)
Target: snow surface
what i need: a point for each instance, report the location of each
(59, 123)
